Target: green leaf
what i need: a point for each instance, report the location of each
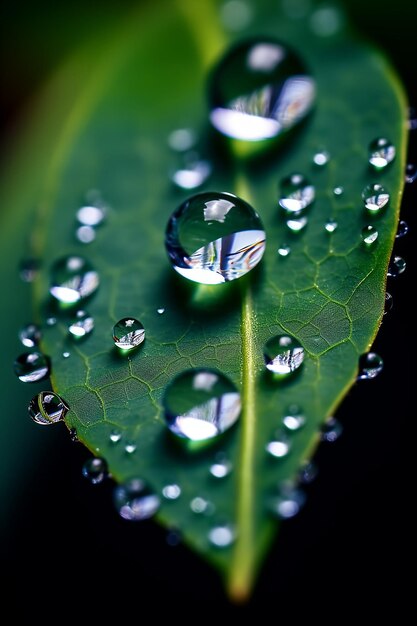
(104, 124)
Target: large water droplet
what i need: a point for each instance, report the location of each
(30, 335)
(283, 355)
(73, 279)
(369, 235)
(30, 367)
(402, 229)
(370, 366)
(90, 215)
(222, 536)
(330, 226)
(381, 153)
(29, 269)
(201, 404)
(135, 501)
(47, 408)
(297, 193)
(331, 430)
(193, 172)
(294, 418)
(82, 325)
(288, 502)
(375, 197)
(296, 224)
(221, 467)
(95, 470)
(396, 267)
(214, 238)
(259, 90)
(278, 447)
(128, 333)
(171, 491)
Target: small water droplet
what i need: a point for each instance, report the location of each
(279, 447)
(30, 367)
(135, 501)
(284, 250)
(47, 408)
(294, 418)
(338, 191)
(214, 237)
(370, 366)
(130, 447)
(297, 193)
(128, 333)
(396, 267)
(402, 229)
(173, 538)
(389, 303)
(381, 153)
(296, 224)
(412, 118)
(82, 325)
(171, 491)
(222, 536)
(73, 279)
(283, 355)
(331, 430)
(236, 15)
(182, 139)
(321, 158)
(95, 470)
(51, 321)
(201, 506)
(192, 174)
(29, 270)
(410, 173)
(91, 215)
(30, 335)
(330, 226)
(200, 404)
(375, 197)
(326, 21)
(221, 467)
(259, 90)
(308, 473)
(369, 235)
(73, 435)
(66, 355)
(85, 234)
(115, 436)
(287, 503)
(160, 311)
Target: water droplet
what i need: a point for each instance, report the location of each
(29, 269)
(338, 191)
(381, 153)
(389, 303)
(369, 235)
(135, 501)
(30, 335)
(326, 21)
(287, 503)
(410, 173)
(375, 197)
(221, 467)
(200, 505)
(182, 139)
(402, 229)
(171, 492)
(412, 118)
(330, 226)
(66, 355)
(293, 418)
(130, 447)
(30, 367)
(222, 536)
(91, 215)
(73, 435)
(259, 90)
(47, 408)
(396, 267)
(321, 158)
(283, 355)
(278, 447)
(128, 333)
(284, 250)
(73, 279)
(200, 404)
(85, 234)
(236, 15)
(95, 470)
(296, 224)
(297, 193)
(308, 473)
(160, 311)
(214, 238)
(51, 321)
(192, 174)
(115, 436)
(82, 325)
(331, 430)
(370, 366)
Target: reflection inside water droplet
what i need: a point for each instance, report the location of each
(283, 355)
(200, 505)
(91, 215)
(321, 158)
(85, 234)
(331, 430)
(115, 436)
(338, 191)
(370, 366)
(128, 333)
(95, 470)
(135, 501)
(279, 447)
(369, 235)
(410, 173)
(82, 325)
(130, 447)
(330, 226)
(402, 229)
(284, 250)
(389, 303)
(222, 536)
(192, 173)
(375, 197)
(294, 418)
(297, 193)
(171, 491)
(288, 502)
(30, 335)
(381, 153)
(221, 467)
(396, 267)
(31, 367)
(297, 224)
(73, 279)
(47, 408)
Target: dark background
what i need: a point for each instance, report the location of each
(350, 547)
